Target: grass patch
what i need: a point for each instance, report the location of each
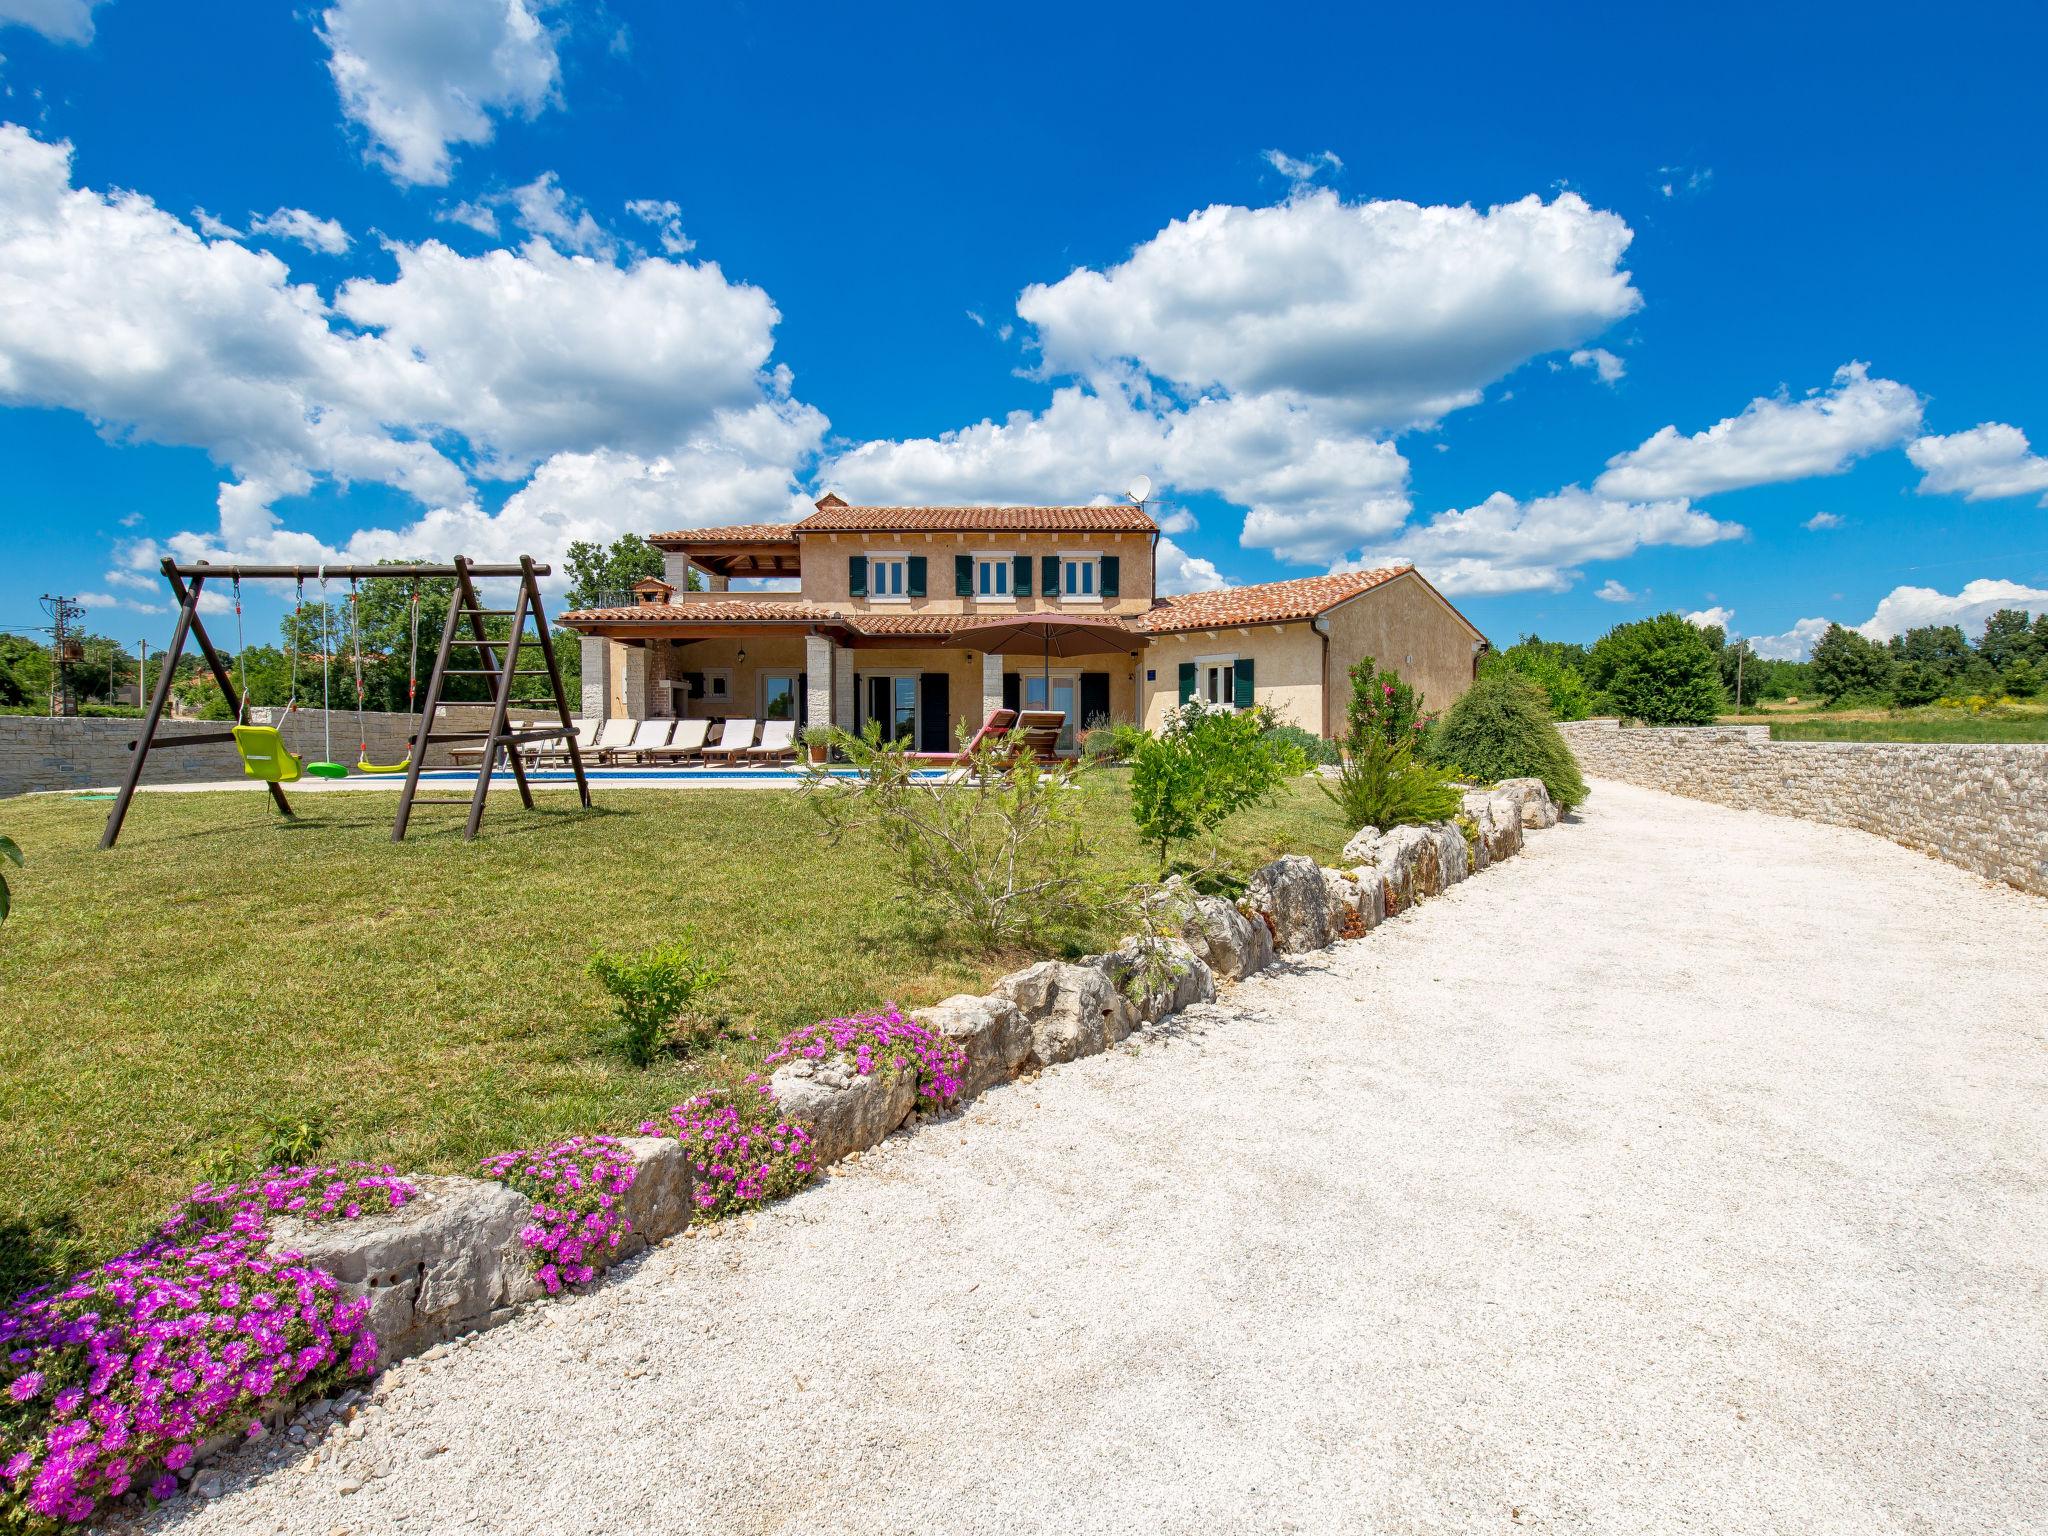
(224, 972)
(1934, 725)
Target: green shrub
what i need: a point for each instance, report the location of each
(1500, 729)
(1205, 767)
(651, 990)
(1111, 741)
(1383, 785)
(1563, 685)
(1662, 671)
(1314, 749)
(9, 854)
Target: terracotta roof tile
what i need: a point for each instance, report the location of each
(1122, 518)
(731, 533)
(737, 608)
(1271, 602)
(870, 623)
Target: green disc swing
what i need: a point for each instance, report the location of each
(264, 754)
(326, 768)
(412, 681)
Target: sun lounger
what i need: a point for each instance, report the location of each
(1000, 723)
(611, 735)
(738, 737)
(688, 742)
(1040, 730)
(462, 756)
(647, 735)
(778, 742)
(549, 753)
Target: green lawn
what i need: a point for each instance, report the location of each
(1919, 725)
(425, 1002)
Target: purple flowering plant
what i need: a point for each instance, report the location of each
(575, 1186)
(741, 1151)
(342, 1192)
(119, 1374)
(882, 1045)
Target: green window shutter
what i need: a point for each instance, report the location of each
(915, 575)
(1020, 575)
(1241, 684)
(1049, 574)
(1111, 571)
(963, 575)
(1187, 682)
(857, 575)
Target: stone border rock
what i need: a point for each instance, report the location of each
(452, 1262)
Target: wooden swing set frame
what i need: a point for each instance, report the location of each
(465, 609)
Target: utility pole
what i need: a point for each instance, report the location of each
(142, 673)
(64, 613)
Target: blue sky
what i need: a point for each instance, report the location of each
(1590, 317)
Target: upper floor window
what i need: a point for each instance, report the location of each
(992, 576)
(1078, 576)
(888, 576)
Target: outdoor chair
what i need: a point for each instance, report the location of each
(1000, 723)
(647, 735)
(687, 743)
(736, 739)
(1041, 729)
(778, 742)
(611, 735)
(554, 753)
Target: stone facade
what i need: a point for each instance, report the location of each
(43, 752)
(1984, 807)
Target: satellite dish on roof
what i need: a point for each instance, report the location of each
(1140, 488)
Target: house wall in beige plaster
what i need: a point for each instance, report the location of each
(826, 568)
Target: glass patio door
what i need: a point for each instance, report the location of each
(1066, 697)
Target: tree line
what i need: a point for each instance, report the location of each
(1667, 670)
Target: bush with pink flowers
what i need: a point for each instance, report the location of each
(741, 1152)
(575, 1186)
(340, 1192)
(120, 1374)
(882, 1045)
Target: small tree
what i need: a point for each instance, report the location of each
(1202, 769)
(997, 854)
(1382, 702)
(1662, 671)
(1382, 784)
(1846, 665)
(651, 990)
(1564, 686)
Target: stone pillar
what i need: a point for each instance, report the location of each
(991, 684)
(821, 662)
(675, 570)
(597, 676)
(842, 688)
(636, 683)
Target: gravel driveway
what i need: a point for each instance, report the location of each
(1684, 1174)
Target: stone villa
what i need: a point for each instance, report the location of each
(895, 613)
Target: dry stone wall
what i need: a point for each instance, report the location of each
(1982, 806)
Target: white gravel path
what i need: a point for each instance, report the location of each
(1684, 1174)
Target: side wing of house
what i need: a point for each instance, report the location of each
(1409, 628)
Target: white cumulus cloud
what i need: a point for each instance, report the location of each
(1795, 644)
(1820, 522)
(1389, 313)
(309, 230)
(1775, 439)
(1505, 545)
(1303, 170)
(1983, 464)
(1719, 618)
(1178, 571)
(1604, 363)
(419, 78)
(1905, 608)
(1612, 591)
(61, 21)
(640, 391)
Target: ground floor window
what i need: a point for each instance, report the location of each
(1216, 681)
(779, 696)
